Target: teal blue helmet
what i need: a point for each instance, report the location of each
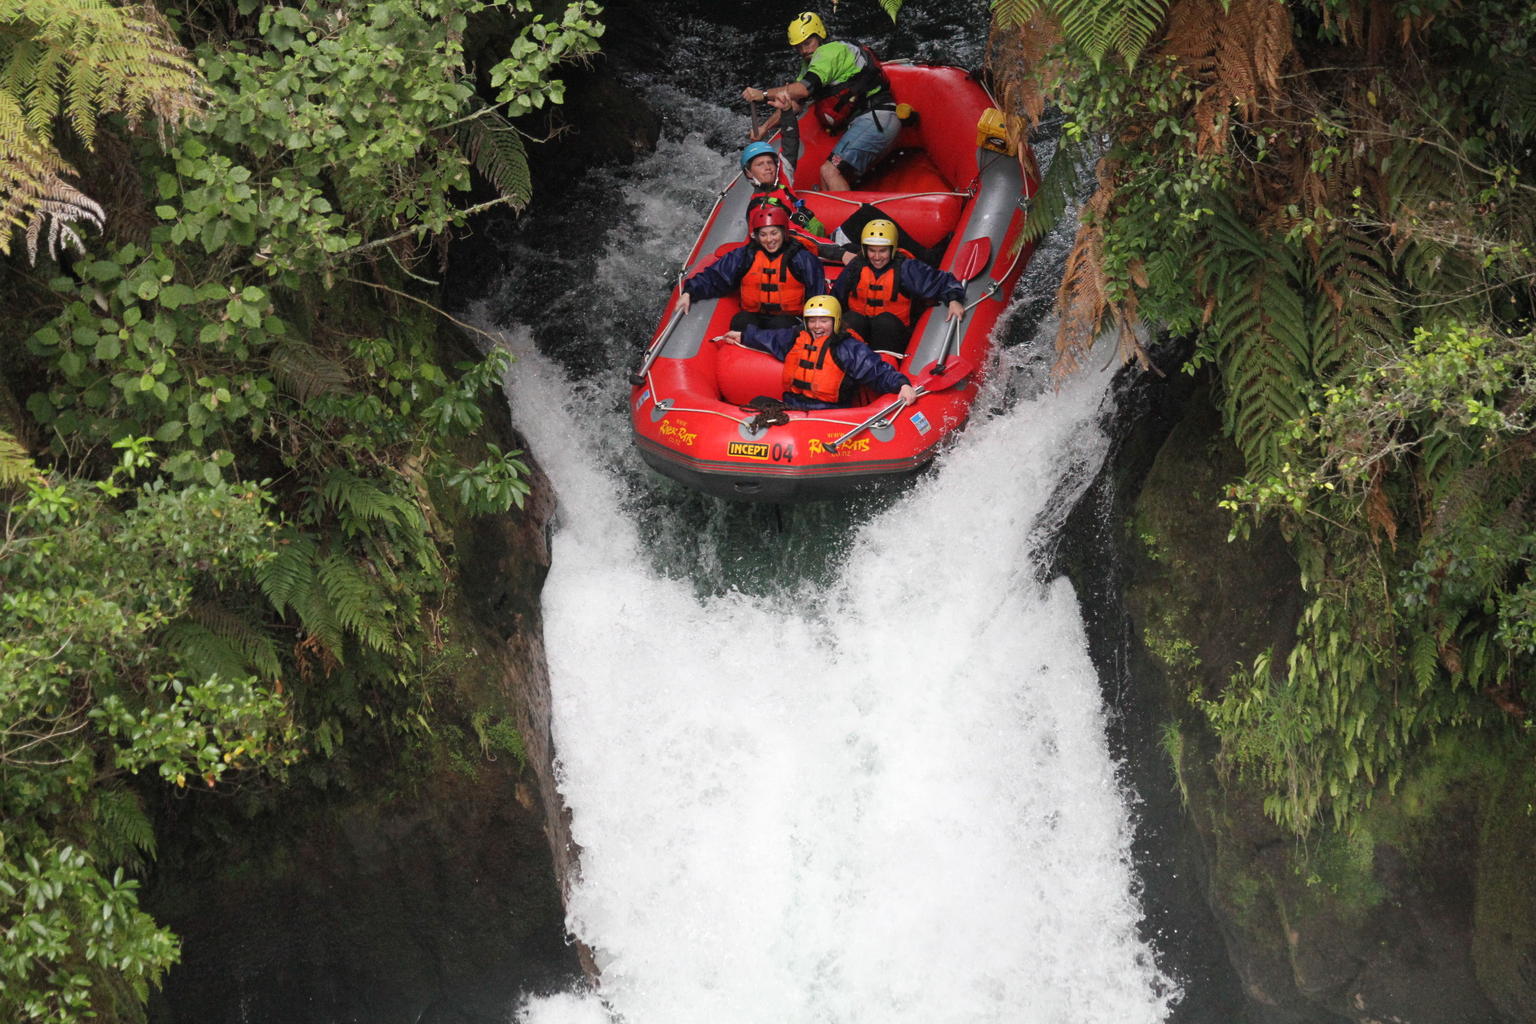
(755, 150)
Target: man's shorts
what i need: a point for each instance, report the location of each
(867, 138)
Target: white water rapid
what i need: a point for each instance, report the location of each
(882, 795)
(893, 804)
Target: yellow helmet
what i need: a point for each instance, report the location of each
(824, 305)
(807, 25)
(879, 232)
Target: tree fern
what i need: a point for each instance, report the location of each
(76, 60)
(1096, 27)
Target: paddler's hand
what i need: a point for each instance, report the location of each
(683, 304)
(956, 311)
(752, 94)
(730, 337)
(907, 394)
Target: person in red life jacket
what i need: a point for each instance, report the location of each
(760, 166)
(879, 288)
(852, 96)
(824, 364)
(773, 276)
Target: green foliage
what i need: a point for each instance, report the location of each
(92, 693)
(261, 317)
(1094, 28)
(1342, 218)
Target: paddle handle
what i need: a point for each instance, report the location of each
(942, 365)
(832, 446)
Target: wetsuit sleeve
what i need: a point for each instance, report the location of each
(921, 281)
(860, 362)
(776, 341)
(808, 269)
(721, 277)
(843, 286)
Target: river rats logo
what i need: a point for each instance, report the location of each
(678, 432)
(856, 446)
(747, 450)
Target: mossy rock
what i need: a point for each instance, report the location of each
(1504, 908)
(1371, 925)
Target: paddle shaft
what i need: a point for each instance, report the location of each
(655, 350)
(833, 446)
(972, 260)
(936, 382)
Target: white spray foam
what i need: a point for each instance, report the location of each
(891, 804)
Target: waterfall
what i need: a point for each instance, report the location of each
(848, 767)
(881, 793)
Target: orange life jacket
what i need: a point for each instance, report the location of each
(768, 286)
(809, 369)
(877, 292)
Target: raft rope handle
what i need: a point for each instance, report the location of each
(888, 199)
(738, 419)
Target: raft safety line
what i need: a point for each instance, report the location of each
(888, 199)
(743, 420)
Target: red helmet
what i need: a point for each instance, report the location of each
(768, 215)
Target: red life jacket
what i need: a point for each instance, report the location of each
(875, 293)
(768, 286)
(809, 369)
(800, 218)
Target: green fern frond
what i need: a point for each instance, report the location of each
(16, 465)
(214, 639)
(1424, 660)
(77, 60)
(33, 191)
(359, 503)
(1262, 332)
(123, 832)
(202, 652)
(356, 602)
(892, 7)
(1058, 186)
(119, 59)
(306, 373)
(495, 147)
(1014, 13)
(291, 574)
(319, 618)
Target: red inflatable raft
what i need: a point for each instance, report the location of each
(947, 178)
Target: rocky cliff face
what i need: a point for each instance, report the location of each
(434, 898)
(1417, 915)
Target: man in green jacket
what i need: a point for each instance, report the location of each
(851, 93)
